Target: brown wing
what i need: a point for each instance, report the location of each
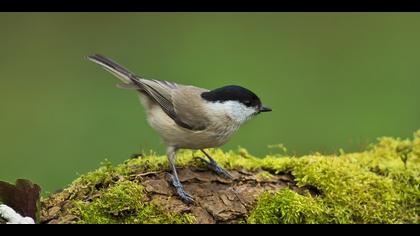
(177, 101)
(188, 106)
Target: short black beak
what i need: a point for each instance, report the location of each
(265, 109)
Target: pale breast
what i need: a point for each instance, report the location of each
(219, 127)
(179, 137)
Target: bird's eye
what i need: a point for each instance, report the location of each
(247, 103)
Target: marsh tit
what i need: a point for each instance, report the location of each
(189, 117)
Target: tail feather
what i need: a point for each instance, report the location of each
(126, 76)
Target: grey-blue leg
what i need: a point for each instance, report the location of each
(212, 165)
(185, 197)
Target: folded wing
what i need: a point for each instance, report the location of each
(179, 102)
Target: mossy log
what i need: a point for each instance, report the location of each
(217, 200)
(379, 185)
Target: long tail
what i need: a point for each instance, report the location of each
(126, 76)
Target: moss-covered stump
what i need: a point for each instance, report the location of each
(217, 200)
(379, 185)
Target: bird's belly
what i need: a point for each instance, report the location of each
(179, 137)
(196, 140)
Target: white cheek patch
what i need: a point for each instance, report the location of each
(235, 110)
(241, 113)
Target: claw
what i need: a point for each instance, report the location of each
(212, 165)
(185, 197)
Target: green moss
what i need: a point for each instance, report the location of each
(368, 187)
(264, 175)
(286, 207)
(379, 185)
(153, 162)
(125, 203)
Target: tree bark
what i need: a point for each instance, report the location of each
(217, 200)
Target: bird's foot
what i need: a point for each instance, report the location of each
(212, 165)
(185, 197)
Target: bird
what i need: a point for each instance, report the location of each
(188, 117)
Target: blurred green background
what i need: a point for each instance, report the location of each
(334, 80)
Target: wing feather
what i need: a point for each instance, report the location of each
(174, 99)
(190, 108)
